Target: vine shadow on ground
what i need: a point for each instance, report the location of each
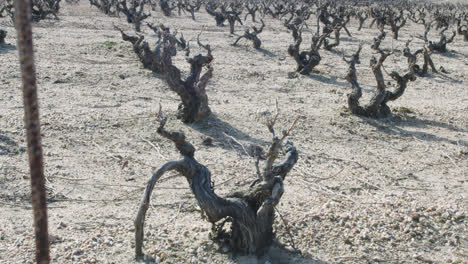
(276, 255)
(326, 79)
(226, 135)
(9, 147)
(395, 125)
(5, 48)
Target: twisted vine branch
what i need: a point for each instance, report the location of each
(250, 212)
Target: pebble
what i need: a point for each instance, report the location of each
(199, 251)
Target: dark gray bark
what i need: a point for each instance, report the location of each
(250, 212)
(462, 29)
(42, 9)
(218, 16)
(232, 17)
(362, 16)
(192, 7)
(194, 106)
(134, 13)
(166, 8)
(377, 107)
(378, 40)
(108, 7)
(151, 59)
(252, 35)
(329, 46)
(306, 60)
(441, 45)
(252, 9)
(412, 60)
(428, 62)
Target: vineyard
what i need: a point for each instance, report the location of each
(307, 131)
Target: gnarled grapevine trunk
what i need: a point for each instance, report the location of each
(251, 10)
(151, 59)
(306, 60)
(252, 35)
(394, 24)
(134, 13)
(219, 16)
(194, 106)
(251, 212)
(362, 16)
(412, 59)
(165, 8)
(193, 7)
(441, 45)
(462, 29)
(232, 17)
(377, 107)
(108, 7)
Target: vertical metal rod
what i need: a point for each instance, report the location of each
(33, 130)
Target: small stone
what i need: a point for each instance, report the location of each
(54, 239)
(445, 215)
(208, 141)
(199, 250)
(61, 225)
(415, 217)
(108, 241)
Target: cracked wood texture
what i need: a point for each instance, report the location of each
(250, 212)
(33, 132)
(377, 107)
(194, 106)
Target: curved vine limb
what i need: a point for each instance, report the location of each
(250, 212)
(377, 107)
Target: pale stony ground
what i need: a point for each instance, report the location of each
(390, 191)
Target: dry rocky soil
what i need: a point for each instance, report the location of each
(363, 191)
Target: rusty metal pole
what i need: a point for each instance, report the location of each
(33, 129)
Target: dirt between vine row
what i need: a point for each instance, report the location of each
(363, 191)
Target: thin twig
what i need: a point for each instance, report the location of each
(89, 200)
(320, 178)
(174, 217)
(326, 191)
(286, 133)
(450, 158)
(28, 207)
(131, 186)
(67, 178)
(154, 147)
(235, 140)
(288, 230)
(366, 182)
